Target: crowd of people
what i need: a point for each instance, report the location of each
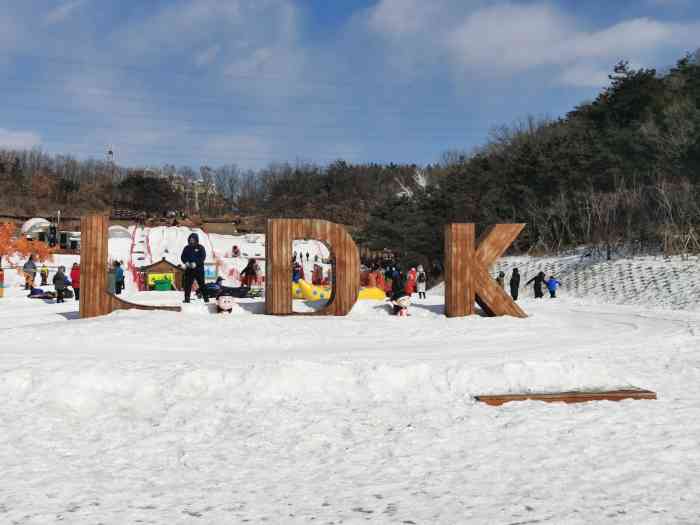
(385, 274)
(62, 282)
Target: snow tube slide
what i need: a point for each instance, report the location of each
(311, 292)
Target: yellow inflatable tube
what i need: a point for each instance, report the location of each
(311, 292)
(372, 293)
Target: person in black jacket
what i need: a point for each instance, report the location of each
(59, 282)
(398, 291)
(537, 286)
(193, 256)
(514, 284)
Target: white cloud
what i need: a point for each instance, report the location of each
(505, 38)
(18, 139)
(509, 37)
(181, 25)
(242, 37)
(401, 17)
(63, 12)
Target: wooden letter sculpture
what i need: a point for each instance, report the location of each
(278, 255)
(467, 278)
(94, 298)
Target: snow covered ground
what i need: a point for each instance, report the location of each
(159, 417)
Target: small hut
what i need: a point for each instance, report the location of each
(162, 270)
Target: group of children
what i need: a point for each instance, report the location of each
(538, 281)
(61, 282)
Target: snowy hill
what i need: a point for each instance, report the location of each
(655, 282)
(660, 282)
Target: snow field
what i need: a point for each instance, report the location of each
(180, 418)
(190, 417)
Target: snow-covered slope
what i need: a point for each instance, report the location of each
(658, 282)
(665, 282)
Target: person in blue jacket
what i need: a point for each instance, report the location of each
(192, 257)
(296, 272)
(118, 278)
(552, 285)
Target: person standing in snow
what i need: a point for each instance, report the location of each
(44, 273)
(193, 256)
(379, 280)
(411, 281)
(29, 270)
(552, 285)
(421, 282)
(258, 274)
(501, 279)
(398, 286)
(59, 283)
(371, 279)
(296, 272)
(75, 280)
(118, 278)
(399, 295)
(538, 281)
(248, 275)
(388, 272)
(514, 284)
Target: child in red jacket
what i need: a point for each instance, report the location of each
(75, 280)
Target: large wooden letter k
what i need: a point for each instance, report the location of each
(467, 278)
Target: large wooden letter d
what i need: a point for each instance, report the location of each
(278, 254)
(467, 278)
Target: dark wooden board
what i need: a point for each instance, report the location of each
(569, 397)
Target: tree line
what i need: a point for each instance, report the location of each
(620, 171)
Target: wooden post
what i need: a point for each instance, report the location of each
(94, 298)
(459, 254)
(93, 265)
(467, 277)
(278, 255)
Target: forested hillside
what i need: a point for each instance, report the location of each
(621, 170)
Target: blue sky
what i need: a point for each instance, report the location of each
(249, 82)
